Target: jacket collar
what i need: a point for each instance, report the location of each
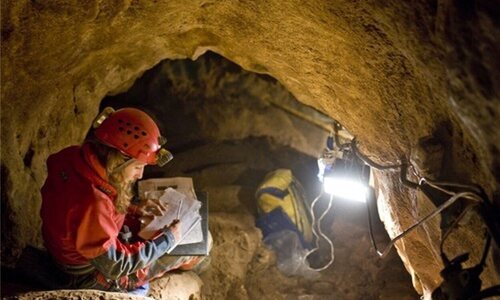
(95, 171)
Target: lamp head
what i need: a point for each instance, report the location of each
(347, 178)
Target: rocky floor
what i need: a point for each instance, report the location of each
(242, 267)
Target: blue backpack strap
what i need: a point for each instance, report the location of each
(276, 221)
(273, 191)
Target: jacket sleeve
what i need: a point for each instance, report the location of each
(97, 240)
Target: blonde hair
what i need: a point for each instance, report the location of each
(114, 168)
(114, 162)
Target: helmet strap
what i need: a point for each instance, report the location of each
(124, 165)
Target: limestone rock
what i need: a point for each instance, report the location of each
(176, 286)
(77, 294)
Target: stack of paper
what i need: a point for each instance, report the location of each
(177, 194)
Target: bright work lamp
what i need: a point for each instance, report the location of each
(345, 188)
(347, 179)
(344, 176)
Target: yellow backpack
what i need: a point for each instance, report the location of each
(281, 205)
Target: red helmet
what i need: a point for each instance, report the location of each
(133, 133)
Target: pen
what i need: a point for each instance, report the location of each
(179, 210)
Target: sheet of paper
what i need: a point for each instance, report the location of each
(189, 231)
(173, 200)
(194, 236)
(178, 194)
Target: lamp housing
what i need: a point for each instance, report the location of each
(347, 178)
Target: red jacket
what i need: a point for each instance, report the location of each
(80, 224)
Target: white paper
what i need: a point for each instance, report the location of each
(178, 194)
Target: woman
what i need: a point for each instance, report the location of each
(86, 197)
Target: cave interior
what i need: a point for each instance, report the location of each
(242, 89)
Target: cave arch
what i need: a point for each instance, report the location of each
(227, 129)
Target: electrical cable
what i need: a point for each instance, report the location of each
(403, 166)
(446, 204)
(437, 185)
(485, 252)
(464, 282)
(336, 128)
(487, 293)
(404, 180)
(453, 225)
(368, 161)
(313, 220)
(472, 188)
(325, 237)
(317, 237)
(472, 194)
(468, 195)
(370, 229)
(404, 169)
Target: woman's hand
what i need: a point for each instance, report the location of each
(152, 207)
(147, 210)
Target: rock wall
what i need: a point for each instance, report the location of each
(392, 72)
